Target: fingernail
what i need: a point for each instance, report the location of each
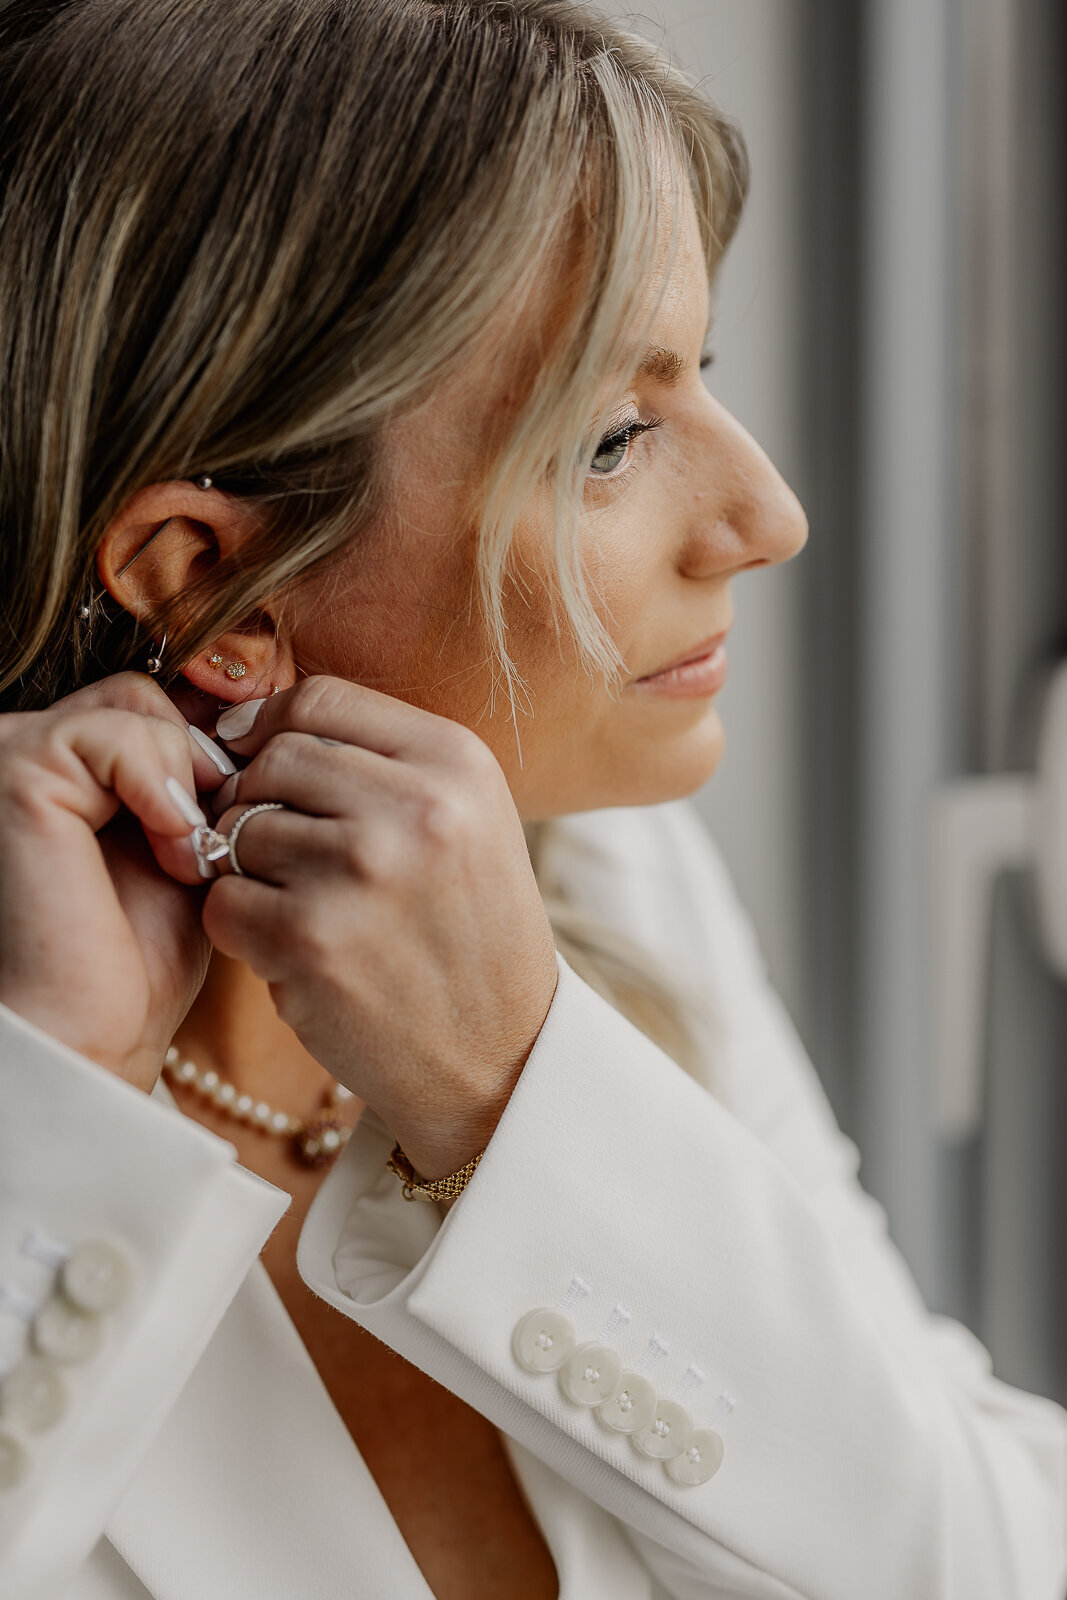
(238, 720)
(213, 751)
(184, 804)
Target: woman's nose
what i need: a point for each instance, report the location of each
(746, 515)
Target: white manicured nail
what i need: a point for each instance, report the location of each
(184, 804)
(213, 751)
(238, 720)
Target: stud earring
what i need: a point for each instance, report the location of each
(215, 660)
(155, 662)
(204, 482)
(235, 669)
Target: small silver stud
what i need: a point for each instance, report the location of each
(204, 482)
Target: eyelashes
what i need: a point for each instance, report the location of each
(616, 444)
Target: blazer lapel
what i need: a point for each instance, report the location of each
(254, 1485)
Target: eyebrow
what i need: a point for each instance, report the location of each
(663, 365)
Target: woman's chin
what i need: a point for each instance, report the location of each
(689, 763)
(652, 775)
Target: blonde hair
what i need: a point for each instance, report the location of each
(241, 239)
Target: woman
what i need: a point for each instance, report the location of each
(367, 537)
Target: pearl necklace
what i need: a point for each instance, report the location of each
(315, 1143)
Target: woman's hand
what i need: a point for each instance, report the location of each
(392, 909)
(101, 943)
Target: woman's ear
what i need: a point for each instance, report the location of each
(163, 540)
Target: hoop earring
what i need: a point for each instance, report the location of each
(155, 662)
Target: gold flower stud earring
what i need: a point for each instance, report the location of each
(234, 669)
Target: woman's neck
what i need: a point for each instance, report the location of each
(234, 1028)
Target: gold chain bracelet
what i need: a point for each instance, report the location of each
(416, 1188)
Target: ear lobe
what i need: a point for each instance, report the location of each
(243, 666)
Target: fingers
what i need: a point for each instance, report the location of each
(84, 762)
(136, 692)
(320, 779)
(241, 917)
(333, 708)
(280, 847)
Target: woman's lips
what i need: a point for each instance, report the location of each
(702, 672)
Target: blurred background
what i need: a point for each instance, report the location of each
(891, 327)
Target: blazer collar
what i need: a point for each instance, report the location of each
(254, 1485)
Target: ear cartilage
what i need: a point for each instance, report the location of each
(235, 669)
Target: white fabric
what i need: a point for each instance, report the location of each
(871, 1454)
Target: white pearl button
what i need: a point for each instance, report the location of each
(542, 1340)
(632, 1406)
(699, 1461)
(667, 1434)
(591, 1374)
(63, 1332)
(33, 1396)
(96, 1276)
(13, 1461)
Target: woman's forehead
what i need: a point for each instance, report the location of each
(499, 370)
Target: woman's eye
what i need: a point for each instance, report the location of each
(612, 450)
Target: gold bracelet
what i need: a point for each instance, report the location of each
(430, 1188)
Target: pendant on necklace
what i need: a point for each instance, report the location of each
(320, 1140)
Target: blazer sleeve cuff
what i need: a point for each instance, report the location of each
(611, 1166)
(165, 1226)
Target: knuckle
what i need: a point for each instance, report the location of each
(131, 691)
(282, 750)
(312, 697)
(471, 753)
(440, 816)
(15, 728)
(307, 934)
(20, 786)
(278, 756)
(354, 855)
(174, 740)
(381, 856)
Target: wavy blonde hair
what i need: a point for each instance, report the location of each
(242, 238)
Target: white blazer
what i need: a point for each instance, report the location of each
(179, 1443)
